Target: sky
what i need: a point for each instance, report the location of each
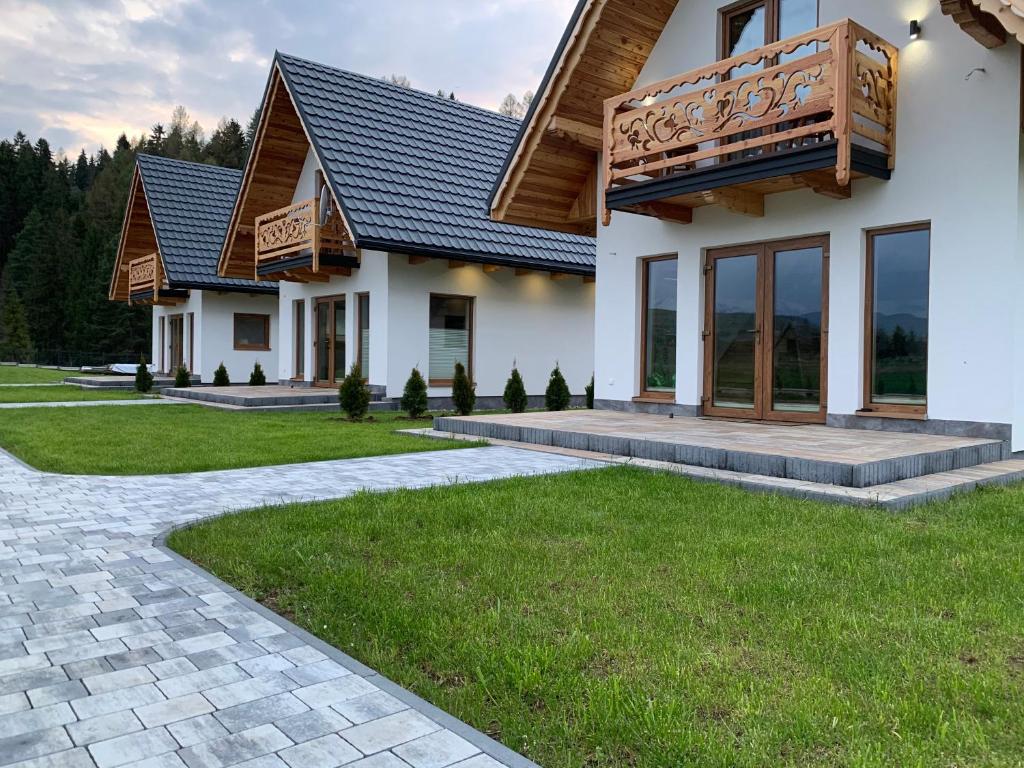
(81, 72)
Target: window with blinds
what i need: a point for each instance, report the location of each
(363, 309)
(451, 332)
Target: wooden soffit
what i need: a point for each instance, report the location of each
(271, 174)
(138, 238)
(987, 21)
(545, 183)
(1009, 14)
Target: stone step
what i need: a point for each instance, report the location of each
(928, 457)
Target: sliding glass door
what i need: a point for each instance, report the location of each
(765, 331)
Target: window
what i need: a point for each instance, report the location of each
(299, 321)
(659, 327)
(754, 23)
(252, 331)
(896, 320)
(451, 337)
(363, 341)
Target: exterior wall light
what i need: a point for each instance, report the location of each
(915, 29)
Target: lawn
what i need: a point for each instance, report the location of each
(16, 374)
(623, 618)
(193, 438)
(61, 393)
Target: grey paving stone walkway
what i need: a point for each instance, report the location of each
(115, 652)
(89, 403)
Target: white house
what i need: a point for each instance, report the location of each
(167, 257)
(801, 217)
(368, 202)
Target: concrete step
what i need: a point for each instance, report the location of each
(913, 455)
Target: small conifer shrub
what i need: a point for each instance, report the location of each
(143, 378)
(220, 377)
(463, 391)
(556, 397)
(414, 396)
(353, 394)
(257, 378)
(589, 389)
(515, 392)
(182, 378)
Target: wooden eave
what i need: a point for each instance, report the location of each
(271, 174)
(138, 238)
(987, 21)
(545, 183)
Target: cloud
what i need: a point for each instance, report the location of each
(80, 73)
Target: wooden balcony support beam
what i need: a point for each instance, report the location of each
(455, 264)
(560, 276)
(983, 27)
(680, 214)
(737, 201)
(584, 134)
(589, 279)
(824, 183)
(488, 268)
(414, 260)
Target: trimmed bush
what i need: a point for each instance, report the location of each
(220, 377)
(556, 397)
(182, 378)
(353, 394)
(463, 391)
(589, 390)
(143, 378)
(257, 378)
(515, 392)
(414, 396)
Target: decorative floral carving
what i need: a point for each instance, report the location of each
(700, 115)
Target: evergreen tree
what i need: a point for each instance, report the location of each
(414, 396)
(15, 341)
(227, 144)
(515, 392)
(589, 389)
(143, 378)
(155, 143)
(557, 396)
(83, 172)
(463, 391)
(182, 378)
(353, 394)
(220, 377)
(250, 130)
(257, 378)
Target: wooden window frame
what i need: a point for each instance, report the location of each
(645, 262)
(869, 408)
(359, 330)
(330, 300)
(160, 363)
(250, 347)
(171, 320)
(773, 21)
(471, 319)
(299, 356)
(191, 342)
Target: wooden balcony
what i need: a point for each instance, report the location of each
(816, 110)
(292, 245)
(146, 283)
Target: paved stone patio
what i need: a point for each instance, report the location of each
(116, 652)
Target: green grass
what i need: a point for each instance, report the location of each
(621, 618)
(193, 438)
(62, 393)
(16, 374)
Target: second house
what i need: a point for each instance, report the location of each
(368, 202)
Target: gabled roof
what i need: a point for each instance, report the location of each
(179, 210)
(411, 171)
(189, 205)
(549, 173)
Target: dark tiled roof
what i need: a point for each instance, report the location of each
(190, 205)
(413, 171)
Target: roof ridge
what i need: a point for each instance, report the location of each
(378, 81)
(177, 161)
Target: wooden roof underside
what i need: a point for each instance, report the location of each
(271, 175)
(1008, 14)
(138, 238)
(551, 175)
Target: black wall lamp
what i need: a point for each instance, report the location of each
(915, 29)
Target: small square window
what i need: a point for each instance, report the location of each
(252, 331)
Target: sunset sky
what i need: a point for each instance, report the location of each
(80, 72)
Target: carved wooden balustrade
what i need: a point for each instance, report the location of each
(835, 82)
(294, 230)
(144, 277)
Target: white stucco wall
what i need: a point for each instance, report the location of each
(213, 335)
(965, 182)
(531, 319)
